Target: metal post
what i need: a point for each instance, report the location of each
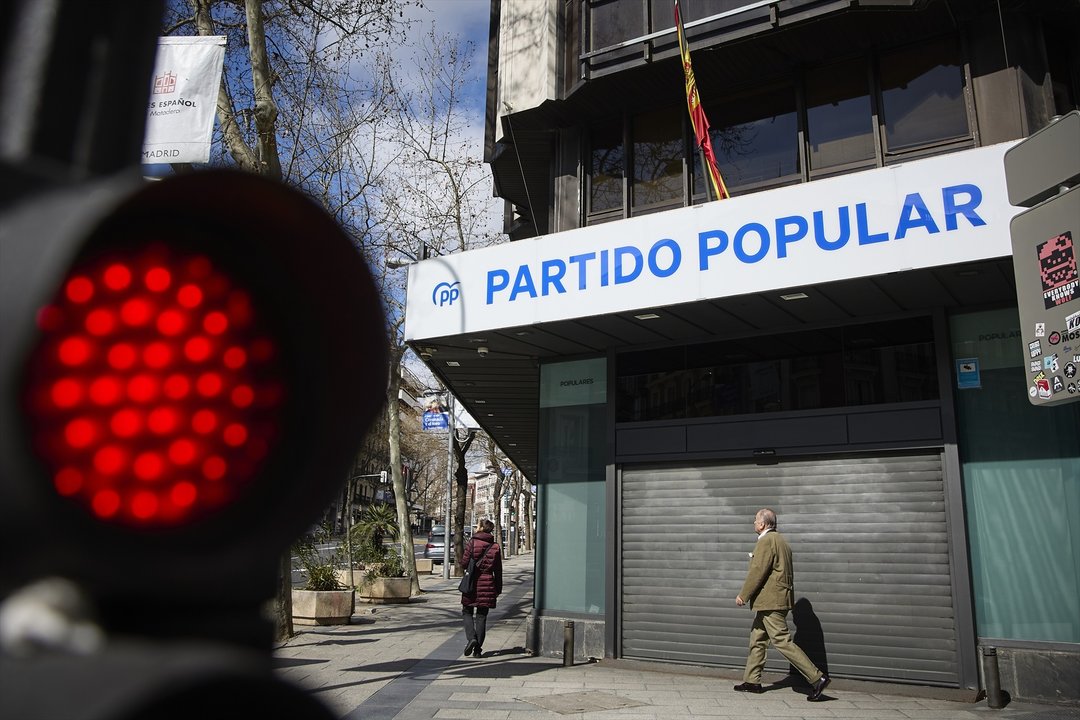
(568, 643)
(449, 487)
(348, 530)
(992, 679)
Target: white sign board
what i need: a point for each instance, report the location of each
(183, 98)
(932, 212)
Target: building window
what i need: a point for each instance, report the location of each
(755, 138)
(657, 159)
(876, 363)
(922, 95)
(613, 21)
(606, 162)
(839, 117)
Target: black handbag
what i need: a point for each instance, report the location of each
(467, 586)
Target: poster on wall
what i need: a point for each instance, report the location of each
(968, 376)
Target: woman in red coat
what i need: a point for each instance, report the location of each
(475, 606)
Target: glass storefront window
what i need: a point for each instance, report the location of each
(570, 561)
(658, 159)
(877, 363)
(1021, 475)
(839, 119)
(922, 95)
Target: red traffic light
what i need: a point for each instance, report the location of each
(154, 388)
(187, 370)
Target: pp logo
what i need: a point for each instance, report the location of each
(446, 293)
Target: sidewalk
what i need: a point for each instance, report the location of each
(405, 662)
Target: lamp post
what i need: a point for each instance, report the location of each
(449, 485)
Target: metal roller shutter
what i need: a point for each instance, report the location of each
(872, 581)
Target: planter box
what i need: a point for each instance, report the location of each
(343, 577)
(322, 607)
(386, 590)
(424, 566)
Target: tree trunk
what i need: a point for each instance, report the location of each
(515, 519)
(232, 136)
(393, 415)
(461, 491)
(282, 607)
(530, 529)
(266, 110)
(496, 501)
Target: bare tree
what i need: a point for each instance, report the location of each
(435, 199)
(290, 105)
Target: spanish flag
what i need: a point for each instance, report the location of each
(697, 113)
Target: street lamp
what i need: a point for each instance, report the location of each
(449, 485)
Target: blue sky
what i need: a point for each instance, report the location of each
(469, 19)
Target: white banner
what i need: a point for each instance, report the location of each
(180, 117)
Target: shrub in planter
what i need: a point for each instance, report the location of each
(324, 600)
(386, 581)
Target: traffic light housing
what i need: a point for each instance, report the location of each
(187, 367)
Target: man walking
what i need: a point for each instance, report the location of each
(770, 590)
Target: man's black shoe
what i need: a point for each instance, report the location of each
(470, 648)
(478, 651)
(749, 687)
(817, 688)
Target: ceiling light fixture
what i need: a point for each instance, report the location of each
(646, 316)
(794, 296)
(453, 363)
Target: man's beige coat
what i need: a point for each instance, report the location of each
(770, 582)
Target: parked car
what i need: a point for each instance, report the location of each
(436, 543)
(436, 547)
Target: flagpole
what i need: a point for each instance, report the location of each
(705, 175)
(697, 117)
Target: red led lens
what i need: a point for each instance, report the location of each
(154, 389)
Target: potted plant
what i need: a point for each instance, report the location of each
(324, 600)
(384, 579)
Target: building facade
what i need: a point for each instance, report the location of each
(839, 340)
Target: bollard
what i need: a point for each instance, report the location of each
(568, 643)
(992, 679)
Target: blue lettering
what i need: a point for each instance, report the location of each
(844, 215)
(953, 208)
(622, 252)
(740, 250)
(551, 274)
(915, 203)
(497, 280)
(604, 276)
(783, 237)
(676, 258)
(580, 261)
(865, 238)
(707, 250)
(523, 283)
